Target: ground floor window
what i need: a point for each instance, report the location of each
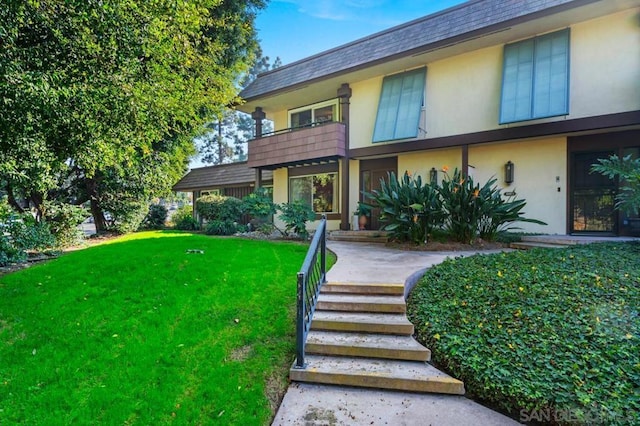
(320, 191)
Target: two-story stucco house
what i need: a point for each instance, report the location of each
(544, 86)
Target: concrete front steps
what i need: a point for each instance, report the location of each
(360, 236)
(360, 336)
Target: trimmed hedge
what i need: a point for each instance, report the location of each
(545, 329)
(219, 207)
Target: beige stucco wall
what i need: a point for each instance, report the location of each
(540, 169)
(280, 120)
(421, 163)
(605, 65)
(280, 191)
(363, 110)
(463, 93)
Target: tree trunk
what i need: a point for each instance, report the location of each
(96, 210)
(220, 149)
(11, 199)
(37, 199)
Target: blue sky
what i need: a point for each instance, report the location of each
(295, 29)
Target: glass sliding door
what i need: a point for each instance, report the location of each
(592, 196)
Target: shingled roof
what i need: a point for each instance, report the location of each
(234, 174)
(467, 20)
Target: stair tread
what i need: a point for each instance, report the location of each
(396, 368)
(413, 376)
(364, 340)
(360, 317)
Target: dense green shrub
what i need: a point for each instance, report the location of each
(219, 207)
(223, 227)
(183, 219)
(539, 330)
(20, 233)
(27, 234)
(63, 220)
(628, 170)
(156, 217)
(462, 205)
(260, 206)
(295, 216)
(478, 211)
(124, 214)
(410, 209)
(465, 210)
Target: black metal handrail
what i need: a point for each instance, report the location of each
(310, 278)
(293, 129)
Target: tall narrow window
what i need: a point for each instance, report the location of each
(401, 101)
(535, 79)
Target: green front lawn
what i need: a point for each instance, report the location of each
(544, 334)
(141, 331)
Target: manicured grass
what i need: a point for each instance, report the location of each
(139, 331)
(550, 332)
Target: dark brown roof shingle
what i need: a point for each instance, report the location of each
(403, 40)
(234, 174)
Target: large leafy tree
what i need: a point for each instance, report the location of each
(228, 133)
(103, 97)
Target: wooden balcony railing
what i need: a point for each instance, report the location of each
(298, 145)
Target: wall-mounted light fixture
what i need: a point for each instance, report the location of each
(433, 176)
(508, 172)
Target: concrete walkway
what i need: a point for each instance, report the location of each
(315, 405)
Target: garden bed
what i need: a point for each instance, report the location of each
(547, 335)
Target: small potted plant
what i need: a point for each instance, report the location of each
(360, 216)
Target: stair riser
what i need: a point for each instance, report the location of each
(384, 353)
(528, 246)
(361, 289)
(362, 307)
(444, 386)
(375, 240)
(398, 329)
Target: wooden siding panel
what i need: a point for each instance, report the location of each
(305, 144)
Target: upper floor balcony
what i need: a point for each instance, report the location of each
(295, 146)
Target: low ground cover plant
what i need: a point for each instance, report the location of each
(541, 331)
(152, 328)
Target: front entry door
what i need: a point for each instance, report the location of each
(592, 196)
(371, 171)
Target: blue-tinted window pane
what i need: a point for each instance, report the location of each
(410, 107)
(536, 78)
(516, 86)
(388, 108)
(551, 75)
(400, 104)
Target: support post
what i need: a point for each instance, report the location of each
(344, 94)
(465, 160)
(258, 115)
(258, 178)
